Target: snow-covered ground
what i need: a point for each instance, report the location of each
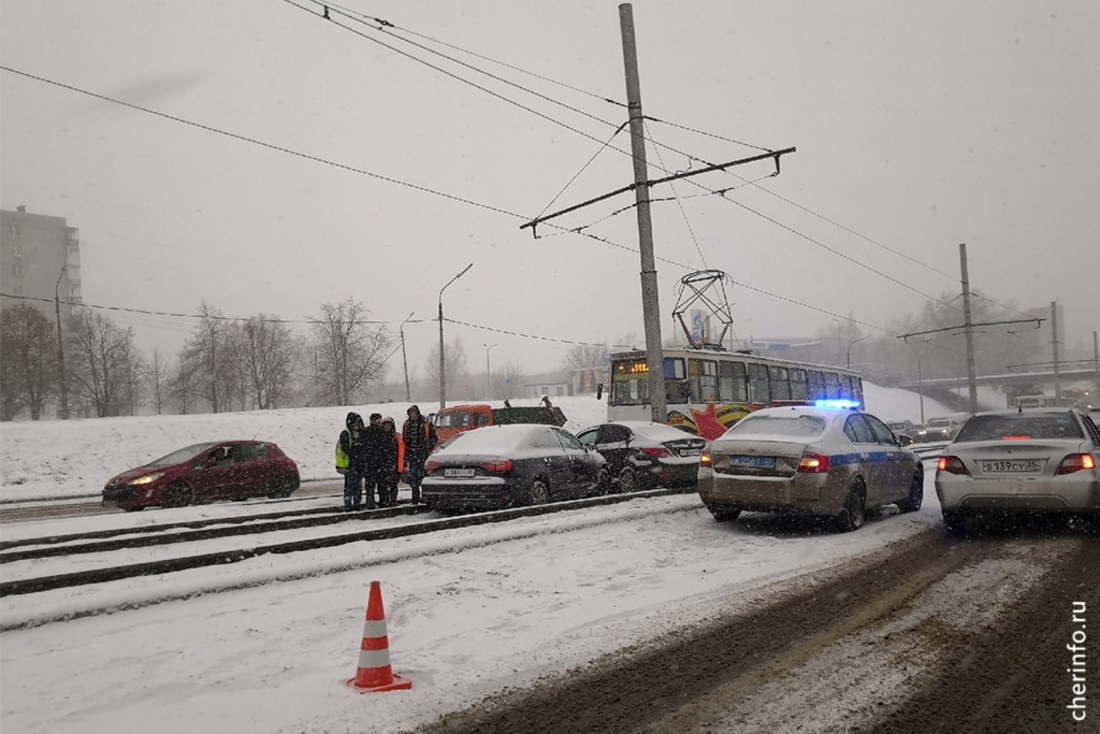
(265, 645)
(66, 458)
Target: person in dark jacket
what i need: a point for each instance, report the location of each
(352, 448)
(420, 440)
(398, 465)
(381, 455)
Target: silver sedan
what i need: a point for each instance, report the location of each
(819, 461)
(1040, 460)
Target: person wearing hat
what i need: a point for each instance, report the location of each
(351, 460)
(420, 440)
(398, 464)
(377, 447)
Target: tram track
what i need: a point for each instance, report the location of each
(219, 558)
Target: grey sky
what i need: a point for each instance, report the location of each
(919, 125)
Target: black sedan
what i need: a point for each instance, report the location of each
(641, 455)
(512, 466)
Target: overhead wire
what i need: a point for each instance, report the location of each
(679, 203)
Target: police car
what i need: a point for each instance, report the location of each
(830, 459)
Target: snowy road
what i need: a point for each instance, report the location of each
(265, 645)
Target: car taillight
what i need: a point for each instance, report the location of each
(812, 463)
(952, 465)
(1076, 462)
(430, 466)
(1017, 438)
(497, 466)
(657, 452)
(704, 457)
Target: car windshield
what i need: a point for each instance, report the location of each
(795, 426)
(1020, 426)
(661, 432)
(181, 455)
(457, 419)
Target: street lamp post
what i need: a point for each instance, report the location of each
(61, 349)
(404, 359)
(488, 374)
(857, 341)
(920, 387)
(442, 368)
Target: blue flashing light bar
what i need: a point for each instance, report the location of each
(837, 404)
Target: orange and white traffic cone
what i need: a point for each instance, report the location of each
(375, 674)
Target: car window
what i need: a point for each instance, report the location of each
(588, 437)
(568, 440)
(795, 426)
(611, 433)
(181, 455)
(882, 434)
(856, 426)
(545, 439)
(481, 419)
(487, 440)
(1092, 428)
(253, 452)
(1020, 425)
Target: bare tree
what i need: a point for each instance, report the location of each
(182, 383)
(268, 353)
(156, 379)
(349, 353)
(507, 381)
(585, 356)
(104, 359)
(29, 353)
(457, 372)
(209, 352)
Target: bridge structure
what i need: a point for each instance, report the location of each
(1015, 379)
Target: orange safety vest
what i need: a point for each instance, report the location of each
(400, 453)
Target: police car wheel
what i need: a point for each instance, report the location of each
(915, 499)
(855, 507)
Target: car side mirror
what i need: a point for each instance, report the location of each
(904, 439)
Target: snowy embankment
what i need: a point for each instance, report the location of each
(53, 459)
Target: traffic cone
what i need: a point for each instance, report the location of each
(375, 674)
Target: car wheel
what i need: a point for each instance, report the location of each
(855, 508)
(724, 513)
(628, 480)
(915, 499)
(177, 495)
(954, 522)
(281, 487)
(538, 493)
(603, 484)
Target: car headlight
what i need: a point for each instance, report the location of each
(147, 479)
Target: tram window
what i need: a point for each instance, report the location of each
(731, 382)
(677, 392)
(630, 392)
(832, 385)
(846, 387)
(674, 368)
(758, 384)
(816, 384)
(781, 389)
(703, 374)
(798, 385)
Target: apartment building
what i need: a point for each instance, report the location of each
(39, 259)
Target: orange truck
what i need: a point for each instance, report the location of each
(454, 420)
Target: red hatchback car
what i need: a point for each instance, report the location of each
(205, 472)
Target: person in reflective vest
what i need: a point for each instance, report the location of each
(351, 460)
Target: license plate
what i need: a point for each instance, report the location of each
(1013, 466)
(689, 452)
(757, 462)
(458, 472)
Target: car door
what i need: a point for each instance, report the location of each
(894, 479)
(613, 443)
(871, 461)
(254, 474)
(557, 467)
(213, 475)
(583, 471)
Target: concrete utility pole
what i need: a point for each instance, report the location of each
(488, 373)
(971, 373)
(920, 387)
(61, 349)
(1054, 331)
(442, 365)
(1096, 365)
(650, 301)
(404, 359)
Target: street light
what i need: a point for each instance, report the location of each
(61, 348)
(404, 359)
(442, 368)
(857, 341)
(488, 374)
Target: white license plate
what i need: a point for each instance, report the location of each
(1012, 466)
(689, 452)
(458, 472)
